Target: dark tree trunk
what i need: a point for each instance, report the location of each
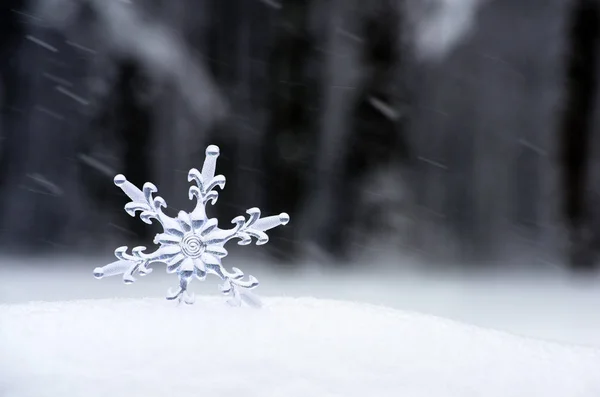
(125, 125)
(577, 127)
(377, 134)
(12, 31)
(290, 139)
(136, 132)
(228, 62)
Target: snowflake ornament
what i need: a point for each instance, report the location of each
(192, 245)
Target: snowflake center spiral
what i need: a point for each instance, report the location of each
(192, 246)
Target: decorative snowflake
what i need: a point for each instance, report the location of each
(191, 244)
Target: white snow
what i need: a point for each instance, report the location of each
(41, 43)
(539, 303)
(292, 347)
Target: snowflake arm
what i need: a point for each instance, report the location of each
(149, 207)
(233, 284)
(244, 229)
(206, 182)
(128, 264)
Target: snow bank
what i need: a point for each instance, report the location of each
(292, 347)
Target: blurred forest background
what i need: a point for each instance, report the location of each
(444, 130)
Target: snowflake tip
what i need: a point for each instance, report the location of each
(238, 220)
(284, 218)
(98, 272)
(194, 175)
(138, 251)
(120, 179)
(252, 211)
(212, 150)
(128, 279)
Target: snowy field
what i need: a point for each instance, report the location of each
(440, 335)
(292, 347)
(553, 306)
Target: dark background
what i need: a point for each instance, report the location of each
(461, 133)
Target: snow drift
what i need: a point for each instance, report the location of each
(291, 347)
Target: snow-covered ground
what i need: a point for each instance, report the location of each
(545, 305)
(64, 333)
(291, 347)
